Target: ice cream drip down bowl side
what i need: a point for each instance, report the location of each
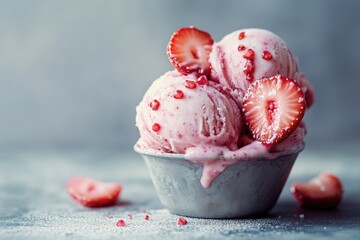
(246, 188)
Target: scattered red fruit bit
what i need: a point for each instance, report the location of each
(273, 108)
(241, 47)
(249, 67)
(202, 80)
(178, 94)
(121, 223)
(250, 77)
(156, 127)
(266, 55)
(323, 192)
(190, 84)
(147, 217)
(129, 216)
(241, 35)
(189, 50)
(154, 104)
(92, 193)
(181, 221)
(249, 54)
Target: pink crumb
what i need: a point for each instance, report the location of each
(241, 47)
(121, 223)
(156, 127)
(266, 55)
(147, 217)
(154, 105)
(181, 221)
(249, 54)
(241, 35)
(190, 84)
(178, 94)
(202, 80)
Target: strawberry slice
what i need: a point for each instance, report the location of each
(273, 108)
(189, 50)
(324, 192)
(92, 193)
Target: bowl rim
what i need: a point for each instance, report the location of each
(157, 153)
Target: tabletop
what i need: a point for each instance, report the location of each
(34, 203)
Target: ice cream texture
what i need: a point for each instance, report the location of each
(178, 113)
(245, 102)
(247, 55)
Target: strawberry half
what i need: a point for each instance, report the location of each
(273, 108)
(324, 192)
(92, 193)
(189, 50)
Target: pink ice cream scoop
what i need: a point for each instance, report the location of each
(246, 55)
(179, 112)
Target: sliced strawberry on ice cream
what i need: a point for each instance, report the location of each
(273, 108)
(324, 192)
(92, 193)
(189, 50)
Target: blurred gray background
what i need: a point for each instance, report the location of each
(72, 72)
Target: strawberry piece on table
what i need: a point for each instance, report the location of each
(273, 108)
(92, 193)
(323, 192)
(181, 221)
(189, 50)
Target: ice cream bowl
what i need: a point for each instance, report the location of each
(246, 188)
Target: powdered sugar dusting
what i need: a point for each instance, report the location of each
(38, 209)
(88, 225)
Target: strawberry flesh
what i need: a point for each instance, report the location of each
(273, 108)
(189, 49)
(323, 192)
(92, 193)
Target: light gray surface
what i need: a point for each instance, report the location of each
(34, 203)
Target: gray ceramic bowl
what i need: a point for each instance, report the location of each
(243, 189)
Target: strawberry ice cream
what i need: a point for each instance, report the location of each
(179, 112)
(246, 55)
(242, 98)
